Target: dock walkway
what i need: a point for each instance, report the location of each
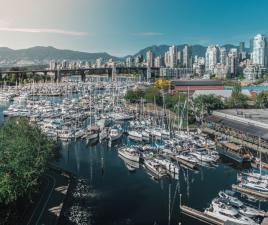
(200, 215)
(250, 192)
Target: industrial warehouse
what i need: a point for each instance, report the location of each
(247, 127)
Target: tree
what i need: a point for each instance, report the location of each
(24, 152)
(262, 100)
(237, 100)
(153, 94)
(172, 100)
(208, 103)
(134, 95)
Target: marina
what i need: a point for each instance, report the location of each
(130, 158)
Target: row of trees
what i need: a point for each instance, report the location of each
(154, 95)
(201, 103)
(24, 153)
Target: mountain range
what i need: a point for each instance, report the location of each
(42, 55)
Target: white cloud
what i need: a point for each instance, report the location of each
(149, 34)
(43, 30)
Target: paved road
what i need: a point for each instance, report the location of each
(47, 209)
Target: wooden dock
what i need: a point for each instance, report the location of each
(250, 192)
(200, 215)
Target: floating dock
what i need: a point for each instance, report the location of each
(200, 215)
(265, 220)
(250, 192)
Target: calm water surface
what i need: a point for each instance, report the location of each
(118, 196)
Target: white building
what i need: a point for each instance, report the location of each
(159, 61)
(233, 61)
(173, 56)
(99, 63)
(129, 62)
(199, 65)
(253, 72)
(150, 59)
(212, 57)
(223, 56)
(259, 52)
(167, 59)
(187, 56)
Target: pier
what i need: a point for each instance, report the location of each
(200, 215)
(250, 192)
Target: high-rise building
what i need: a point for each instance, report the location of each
(180, 57)
(187, 56)
(212, 57)
(129, 61)
(150, 58)
(173, 56)
(233, 61)
(99, 62)
(167, 59)
(159, 61)
(251, 45)
(242, 46)
(138, 60)
(223, 56)
(259, 52)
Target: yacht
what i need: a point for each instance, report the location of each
(256, 174)
(135, 135)
(202, 156)
(168, 165)
(239, 205)
(145, 135)
(129, 153)
(92, 133)
(155, 168)
(227, 213)
(188, 158)
(131, 165)
(256, 186)
(115, 133)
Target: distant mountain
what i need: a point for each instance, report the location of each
(42, 55)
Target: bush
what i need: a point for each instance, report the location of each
(24, 153)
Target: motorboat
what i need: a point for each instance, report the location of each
(129, 153)
(225, 213)
(135, 135)
(155, 168)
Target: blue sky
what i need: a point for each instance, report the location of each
(122, 27)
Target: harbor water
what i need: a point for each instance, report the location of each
(113, 195)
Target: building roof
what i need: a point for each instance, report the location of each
(197, 82)
(219, 93)
(245, 128)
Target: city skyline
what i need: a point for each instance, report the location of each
(124, 27)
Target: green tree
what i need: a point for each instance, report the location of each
(153, 94)
(262, 100)
(208, 103)
(171, 100)
(134, 95)
(237, 100)
(24, 152)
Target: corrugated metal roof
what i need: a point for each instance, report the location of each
(197, 82)
(252, 130)
(220, 93)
